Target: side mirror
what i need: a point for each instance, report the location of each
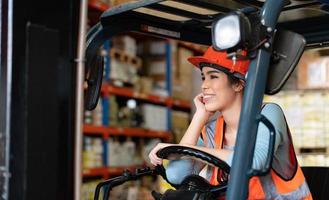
(93, 68)
(287, 49)
(93, 78)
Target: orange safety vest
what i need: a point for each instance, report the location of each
(273, 185)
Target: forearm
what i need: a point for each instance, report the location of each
(177, 170)
(193, 132)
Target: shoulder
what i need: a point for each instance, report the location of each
(271, 109)
(275, 114)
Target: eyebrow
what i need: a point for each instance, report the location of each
(211, 72)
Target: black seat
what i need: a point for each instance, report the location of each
(318, 180)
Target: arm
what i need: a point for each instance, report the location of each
(191, 135)
(177, 170)
(274, 113)
(199, 120)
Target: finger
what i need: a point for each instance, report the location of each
(156, 159)
(153, 163)
(199, 96)
(156, 162)
(153, 159)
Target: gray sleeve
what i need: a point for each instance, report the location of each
(275, 115)
(229, 159)
(177, 170)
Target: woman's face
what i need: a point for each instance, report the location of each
(218, 93)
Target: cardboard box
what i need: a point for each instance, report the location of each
(146, 85)
(180, 120)
(125, 43)
(157, 67)
(182, 79)
(153, 48)
(313, 71)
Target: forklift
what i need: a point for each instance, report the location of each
(275, 32)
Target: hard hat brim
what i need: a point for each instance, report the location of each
(196, 60)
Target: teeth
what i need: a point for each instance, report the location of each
(207, 96)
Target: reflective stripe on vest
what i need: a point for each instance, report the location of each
(271, 186)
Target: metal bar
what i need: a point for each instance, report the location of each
(252, 100)
(79, 99)
(168, 81)
(6, 39)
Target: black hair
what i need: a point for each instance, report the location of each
(232, 79)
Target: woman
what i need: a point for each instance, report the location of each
(222, 91)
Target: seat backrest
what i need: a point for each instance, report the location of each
(318, 180)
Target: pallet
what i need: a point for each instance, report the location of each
(123, 57)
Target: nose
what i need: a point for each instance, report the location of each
(204, 85)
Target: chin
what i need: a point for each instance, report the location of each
(212, 107)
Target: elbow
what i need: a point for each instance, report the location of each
(174, 176)
(177, 170)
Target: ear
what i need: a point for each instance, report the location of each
(238, 87)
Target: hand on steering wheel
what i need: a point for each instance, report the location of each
(165, 152)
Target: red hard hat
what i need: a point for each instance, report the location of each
(219, 58)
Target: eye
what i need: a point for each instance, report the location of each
(213, 76)
(203, 78)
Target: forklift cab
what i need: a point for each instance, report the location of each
(275, 32)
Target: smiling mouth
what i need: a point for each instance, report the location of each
(207, 98)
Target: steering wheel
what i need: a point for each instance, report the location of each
(196, 182)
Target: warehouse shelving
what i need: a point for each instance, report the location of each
(128, 92)
(107, 131)
(106, 172)
(98, 5)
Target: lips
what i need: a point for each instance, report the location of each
(207, 98)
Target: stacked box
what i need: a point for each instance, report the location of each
(113, 111)
(122, 154)
(313, 71)
(313, 160)
(155, 117)
(97, 114)
(125, 43)
(144, 85)
(307, 115)
(155, 65)
(92, 153)
(88, 118)
(123, 71)
(182, 87)
(180, 123)
(153, 48)
(157, 68)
